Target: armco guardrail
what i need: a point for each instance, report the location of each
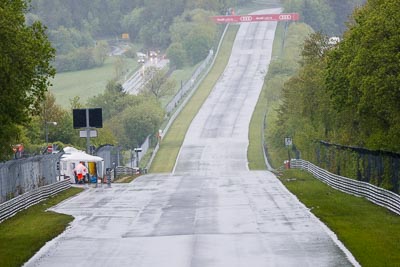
(377, 195)
(11, 207)
(123, 170)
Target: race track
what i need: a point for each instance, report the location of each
(211, 211)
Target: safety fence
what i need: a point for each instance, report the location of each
(21, 202)
(377, 195)
(189, 85)
(19, 176)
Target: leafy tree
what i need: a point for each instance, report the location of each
(24, 50)
(100, 52)
(139, 121)
(113, 101)
(157, 83)
(131, 23)
(305, 112)
(176, 55)
(196, 32)
(363, 74)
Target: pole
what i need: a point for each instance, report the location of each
(131, 158)
(47, 135)
(87, 132)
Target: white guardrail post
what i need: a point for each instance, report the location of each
(377, 195)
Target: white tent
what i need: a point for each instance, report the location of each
(73, 156)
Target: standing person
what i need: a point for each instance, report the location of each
(80, 171)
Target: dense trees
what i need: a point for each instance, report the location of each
(75, 25)
(24, 70)
(347, 94)
(363, 75)
(192, 35)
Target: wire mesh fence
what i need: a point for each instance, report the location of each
(380, 168)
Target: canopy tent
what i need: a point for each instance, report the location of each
(73, 156)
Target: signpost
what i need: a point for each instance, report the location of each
(137, 150)
(87, 118)
(257, 18)
(288, 144)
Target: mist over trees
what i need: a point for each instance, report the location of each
(327, 16)
(74, 27)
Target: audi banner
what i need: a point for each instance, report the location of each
(257, 18)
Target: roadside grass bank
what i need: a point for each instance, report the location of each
(22, 235)
(165, 158)
(369, 231)
(255, 154)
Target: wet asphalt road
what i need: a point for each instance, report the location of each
(211, 211)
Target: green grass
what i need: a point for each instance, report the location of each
(255, 153)
(171, 143)
(22, 235)
(86, 83)
(370, 232)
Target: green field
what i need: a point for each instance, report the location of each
(87, 83)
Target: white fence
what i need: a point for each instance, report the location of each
(373, 193)
(11, 207)
(123, 170)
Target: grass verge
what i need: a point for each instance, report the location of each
(22, 235)
(369, 231)
(255, 154)
(171, 143)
